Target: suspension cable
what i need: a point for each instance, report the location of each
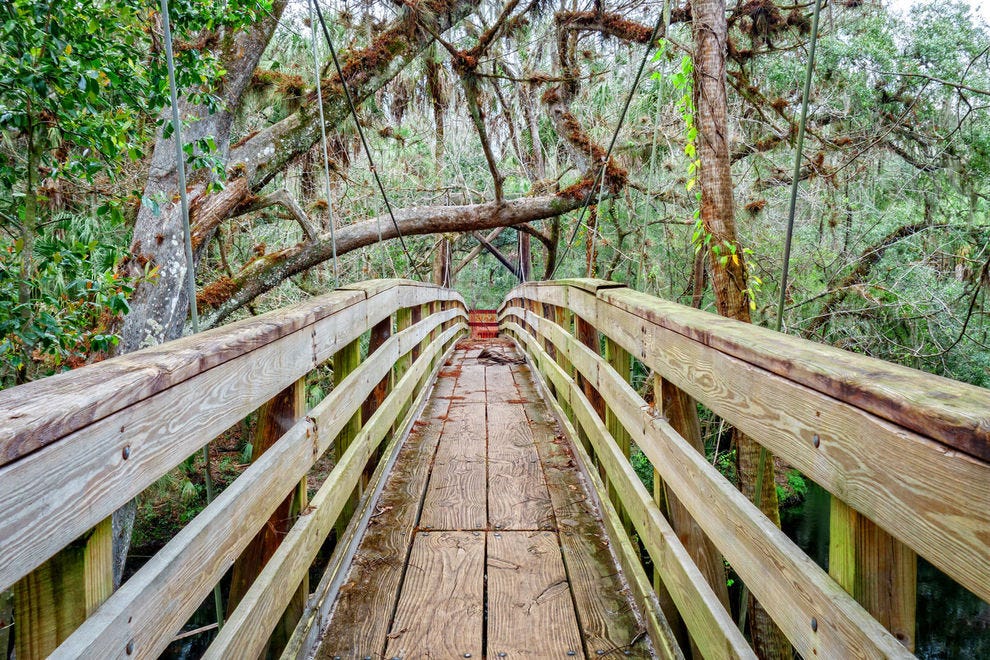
(797, 165)
(600, 175)
(364, 142)
(323, 138)
(180, 168)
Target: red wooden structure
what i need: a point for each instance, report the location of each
(484, 323)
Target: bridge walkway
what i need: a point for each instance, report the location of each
(485, 541)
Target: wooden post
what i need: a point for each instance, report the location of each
(55, 598)
(876, 569)
(275, 417)
(379, 334)
(403, 320)
(620, 360)
(345, 361)
(562, 317)
(415, 316)
(588, 335)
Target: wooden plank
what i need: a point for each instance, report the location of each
(38, 413)
(441, 607)
(792, 587)
(55, 599)
(363, 611)
(456, 497)
(246, 632)
(951, 412)
(470, 386)
(879, 571)
(530, 611)
(306, 637)
(517, 492)
(274, 419)
(499, 384)
(890, 479)
(709, 624)
(607, 617)
(55, 494)
(147, 610)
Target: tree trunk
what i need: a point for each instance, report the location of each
(29, 227)
(726, 260)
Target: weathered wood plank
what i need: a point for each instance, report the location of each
(188, 566)
(710, 625)
(606, 616)
(890, 479)
(530, 611)
(470, 386)
(517, 492)
(54, 599)
(306, 637)
(38, 413)
(441, 607)
(363, 611)
(248, 628)
(499, 384)
(56, 493)
(455, 498)
(877, 569)
(792, 587)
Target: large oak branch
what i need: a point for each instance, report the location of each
(267, 272)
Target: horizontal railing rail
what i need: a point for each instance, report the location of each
(904, 455)
(76, 447)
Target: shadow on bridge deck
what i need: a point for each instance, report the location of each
(485, 541)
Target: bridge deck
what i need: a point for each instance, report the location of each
(485, 541)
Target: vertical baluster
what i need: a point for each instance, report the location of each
(380, 333)
(878, 571)
(275, 417)
(55, 598)
(620, 360)
(345, 361)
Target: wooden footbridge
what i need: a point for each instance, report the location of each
(482, 501)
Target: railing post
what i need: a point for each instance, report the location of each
(415, 316)
(380, 333)
(876, 569)
(275, 417)
(618, 359)
(588, 335)
(403, 320)
(55, 598)
(562, 317)
(345, 361)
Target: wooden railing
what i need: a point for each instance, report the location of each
(903, 453)
(76, 447)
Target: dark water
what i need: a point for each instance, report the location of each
(952, 622)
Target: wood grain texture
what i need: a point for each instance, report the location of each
(54, 599)
(306, 638)
(470, 386)
(877, 569)
(792, 587)
(363, 611)
(517, 492)
(530, 611)
(710, 625)
(605, 614)
(38, 413)
(948, 411)
(55, 494)
(188, 566)
(935, 501)
(246, 632)
(456, 496)
(441, 607)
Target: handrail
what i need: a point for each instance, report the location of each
(91, 455)
(839, 418)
